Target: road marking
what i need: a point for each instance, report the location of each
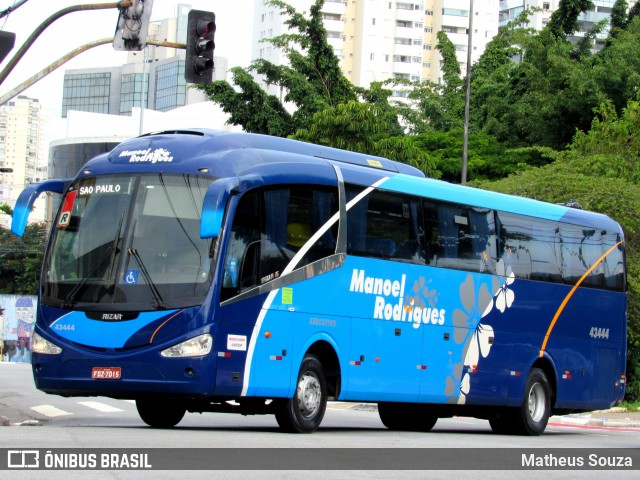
(101, 407)
(50, 411)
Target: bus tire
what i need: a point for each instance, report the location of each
(532, 416)
(406, 416)
(158, 414)
(304, 412)
(503, 423)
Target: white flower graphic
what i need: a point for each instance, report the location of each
(480, 344)
(504, 295)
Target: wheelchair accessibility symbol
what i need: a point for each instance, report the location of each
(131, 277)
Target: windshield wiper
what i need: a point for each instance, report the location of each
(68, 301)
(152, 286)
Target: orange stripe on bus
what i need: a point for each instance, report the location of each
(164, 323)
(568, 297)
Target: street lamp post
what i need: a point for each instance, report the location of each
(465, 140)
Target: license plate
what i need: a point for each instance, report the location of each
(106, 373)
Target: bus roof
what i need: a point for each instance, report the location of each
(176, 149)
(231, 154)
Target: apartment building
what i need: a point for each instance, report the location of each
(380, 39)
(23, 149)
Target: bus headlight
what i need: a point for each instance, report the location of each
(194, 347)
(40, 345)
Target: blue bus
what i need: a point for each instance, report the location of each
(204, 271)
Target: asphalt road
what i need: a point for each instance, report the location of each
(351, 439)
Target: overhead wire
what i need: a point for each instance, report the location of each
(5, 13)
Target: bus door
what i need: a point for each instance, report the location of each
(384, 241)
(273, 235)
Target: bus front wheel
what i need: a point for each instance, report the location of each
(158, 414)
(304, 412)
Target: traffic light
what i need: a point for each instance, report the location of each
(132, 28)
(201, 28)
(7, 41)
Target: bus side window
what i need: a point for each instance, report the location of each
(531, 247)
(460, 237)
(581, 248)
(385, 225)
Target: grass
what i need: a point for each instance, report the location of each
(631, 406)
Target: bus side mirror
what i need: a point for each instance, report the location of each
(214, 205)
(26, 199)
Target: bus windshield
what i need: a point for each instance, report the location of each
(129, 243)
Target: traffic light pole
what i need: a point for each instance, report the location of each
(42, 27)
(47, 70)
(62, 60)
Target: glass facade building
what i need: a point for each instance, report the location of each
(170, 87)
(131, 88)
(118, 90)
(87, 92)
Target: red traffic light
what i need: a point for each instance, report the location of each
(199, 65)
(205, 27)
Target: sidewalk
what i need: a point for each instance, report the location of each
(614, 417)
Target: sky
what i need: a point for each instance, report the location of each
(234, 23)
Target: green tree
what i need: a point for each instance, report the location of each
(616, 69)
(564, 21)
(250, 106)
(488, 158)
(434, 106)
(634, 12)
(311, 83)
(611, 147)
(363, 127)
(619, 16)
(377, 95)
(21, 259)
(542, 98)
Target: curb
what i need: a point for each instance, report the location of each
(598, 418)
(595, 422)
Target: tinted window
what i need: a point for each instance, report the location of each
(530, 247)
(558, 252)
(583, 248)
(459, 237)
(385, 225)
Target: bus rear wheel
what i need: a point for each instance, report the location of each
(158, 414)
(304, 412)
(406, 416)
(532, 416)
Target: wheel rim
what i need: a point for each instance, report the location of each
(536, 402)
(309, 395)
